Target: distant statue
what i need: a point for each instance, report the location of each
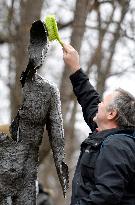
(19, 152)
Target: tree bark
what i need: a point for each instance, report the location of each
(29, 12)
(67, 97)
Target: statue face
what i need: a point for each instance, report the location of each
(37, 50)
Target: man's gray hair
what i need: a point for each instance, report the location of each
(124, 103)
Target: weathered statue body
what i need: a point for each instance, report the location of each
(19, 153)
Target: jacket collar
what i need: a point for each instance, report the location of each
(98, 137)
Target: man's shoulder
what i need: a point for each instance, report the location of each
(120, 140)
(119, 148)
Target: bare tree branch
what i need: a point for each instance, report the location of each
(96, 58)
(105, 70)
(4, 38)
(120, 73)
(61, 26)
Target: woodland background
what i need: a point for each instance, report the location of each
(102, 31)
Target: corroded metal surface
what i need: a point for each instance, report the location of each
(41, 106)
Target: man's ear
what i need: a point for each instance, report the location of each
(112, 114)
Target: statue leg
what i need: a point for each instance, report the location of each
(27, 194)
(26, 190)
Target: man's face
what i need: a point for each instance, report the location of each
(102, 116)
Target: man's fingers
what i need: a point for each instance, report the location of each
(67, 47)
(71, 57)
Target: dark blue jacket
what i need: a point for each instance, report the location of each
(105, 172)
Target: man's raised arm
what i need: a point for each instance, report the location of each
(86, 95)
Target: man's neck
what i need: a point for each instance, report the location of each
(110, 125)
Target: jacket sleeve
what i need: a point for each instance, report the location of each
(86, 95)
(113, 170)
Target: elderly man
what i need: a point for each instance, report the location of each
(105, 172)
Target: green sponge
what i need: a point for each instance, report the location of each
(51, 26)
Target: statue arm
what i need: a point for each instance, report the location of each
(54, 126)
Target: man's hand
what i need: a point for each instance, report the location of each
(71, 58)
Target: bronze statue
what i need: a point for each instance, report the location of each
(41, 106)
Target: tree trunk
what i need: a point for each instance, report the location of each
(67, 96)
(81, 12)
(29, 12)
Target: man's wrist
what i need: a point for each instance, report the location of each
(75, 75)
(74, 69)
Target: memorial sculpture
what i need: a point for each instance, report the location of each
(41, 107)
